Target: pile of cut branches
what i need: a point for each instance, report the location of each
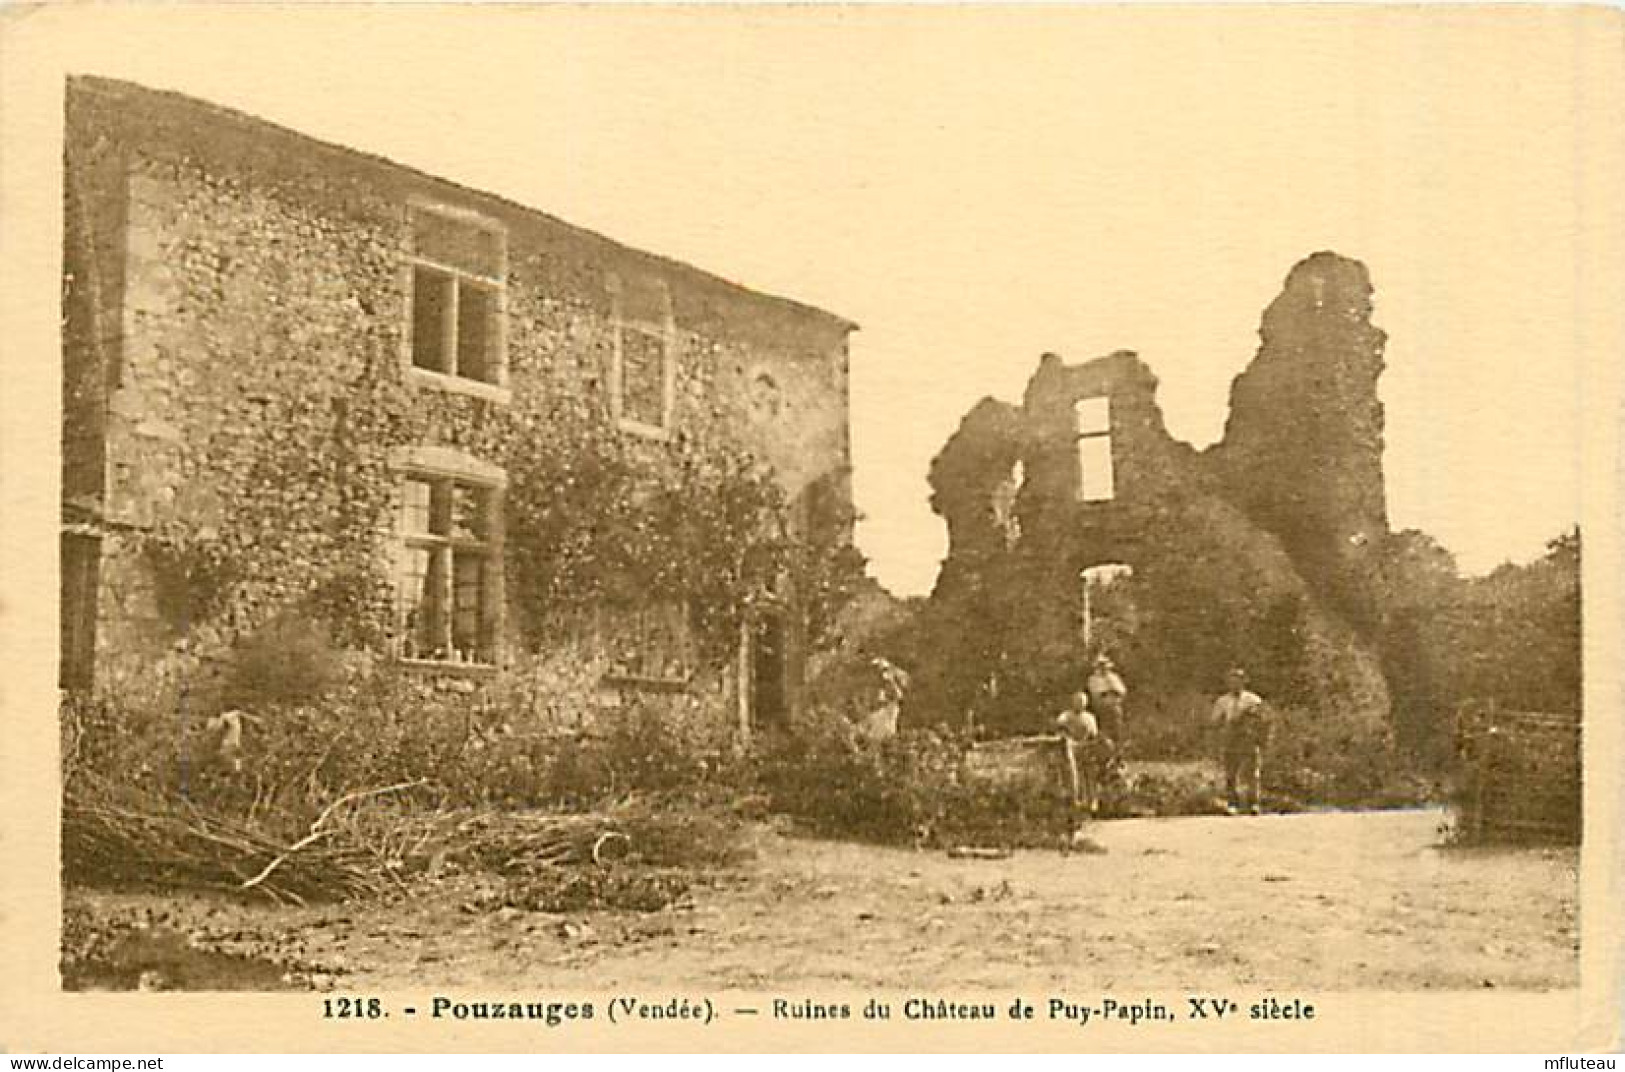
(117, 833)
(632, 830)
(365, 843)
(511, 843)
(631, 856)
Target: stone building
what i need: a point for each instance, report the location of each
(284, 358)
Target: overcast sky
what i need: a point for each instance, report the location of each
(977, 187)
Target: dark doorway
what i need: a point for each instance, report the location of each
(769, 708)
(81, 570)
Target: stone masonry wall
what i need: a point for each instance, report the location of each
(261, 379)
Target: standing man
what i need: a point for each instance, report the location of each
(1080, 736)
(1239, 717)
(1107, 697)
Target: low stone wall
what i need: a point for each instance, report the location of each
(1034, 764)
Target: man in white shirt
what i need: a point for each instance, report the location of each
(1239, 716)
(1080, 734)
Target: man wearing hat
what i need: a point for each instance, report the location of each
(1239, 716)
(1107, 696)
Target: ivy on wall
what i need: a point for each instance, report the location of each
(592, 518)
(595, 518)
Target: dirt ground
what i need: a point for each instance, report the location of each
(1316, 901)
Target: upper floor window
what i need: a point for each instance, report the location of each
(643, 376)
(1092, 424)
(459, 296)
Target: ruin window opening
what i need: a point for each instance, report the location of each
(458, 296)
(1106, 610)
(1005, 497)
(448, 578)
(643, 376)
(1092, 427)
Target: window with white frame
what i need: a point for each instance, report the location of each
(1092, 424)
(458, 294)
(448, 583)
(643, 378)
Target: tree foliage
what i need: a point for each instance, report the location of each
(595, 518)
(1510, 639)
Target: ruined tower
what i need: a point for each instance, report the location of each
(1255, 551)
(1302, 449)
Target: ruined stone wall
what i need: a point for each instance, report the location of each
(1252, 553)
(973, 488)
(261, 380)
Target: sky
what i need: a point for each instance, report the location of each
(975, 187)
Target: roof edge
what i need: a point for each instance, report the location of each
(116, 90)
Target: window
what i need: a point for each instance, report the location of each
(447, 584)
(642, 380)
(1093, 425)
(458, 286)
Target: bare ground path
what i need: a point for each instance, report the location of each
(1316, 901)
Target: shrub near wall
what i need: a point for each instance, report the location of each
(909, 789)
(318, 722)
(388, 766)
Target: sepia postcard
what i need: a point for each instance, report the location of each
(811, 528)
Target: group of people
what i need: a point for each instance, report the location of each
(1094, 729)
